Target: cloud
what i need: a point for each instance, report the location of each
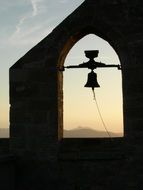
(30, 36)
(64, 1)
(18, 26)
(34, 4)
(37, 22)
(35, 7)
(38, 7)
(27, 25)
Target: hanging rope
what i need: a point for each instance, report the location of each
(100, 115)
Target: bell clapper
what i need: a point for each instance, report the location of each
(94, 98)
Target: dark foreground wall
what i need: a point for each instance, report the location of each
(44, 160)
(84, 164)
(7, 166)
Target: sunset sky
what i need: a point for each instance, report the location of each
(80, 108)
(26, 22)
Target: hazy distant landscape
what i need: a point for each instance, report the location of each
(80, 132)
(4, 132)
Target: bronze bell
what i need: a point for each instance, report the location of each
(92, 80)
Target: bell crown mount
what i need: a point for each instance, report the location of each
(91, 64)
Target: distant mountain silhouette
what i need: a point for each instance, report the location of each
(81, 132)
(4, 133)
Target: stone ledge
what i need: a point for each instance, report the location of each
(92, 156)
(90, 149)
(7, 158)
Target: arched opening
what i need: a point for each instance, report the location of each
(81, 116)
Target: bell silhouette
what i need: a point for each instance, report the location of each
(92, 80)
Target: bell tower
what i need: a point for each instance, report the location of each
(44, 158)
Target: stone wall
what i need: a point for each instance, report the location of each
(44, 160)
(7, 166)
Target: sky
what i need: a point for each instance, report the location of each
(80, 109)
(26, 22)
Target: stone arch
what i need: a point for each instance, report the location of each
(43, 95)
(114, 38)
(36, 98)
